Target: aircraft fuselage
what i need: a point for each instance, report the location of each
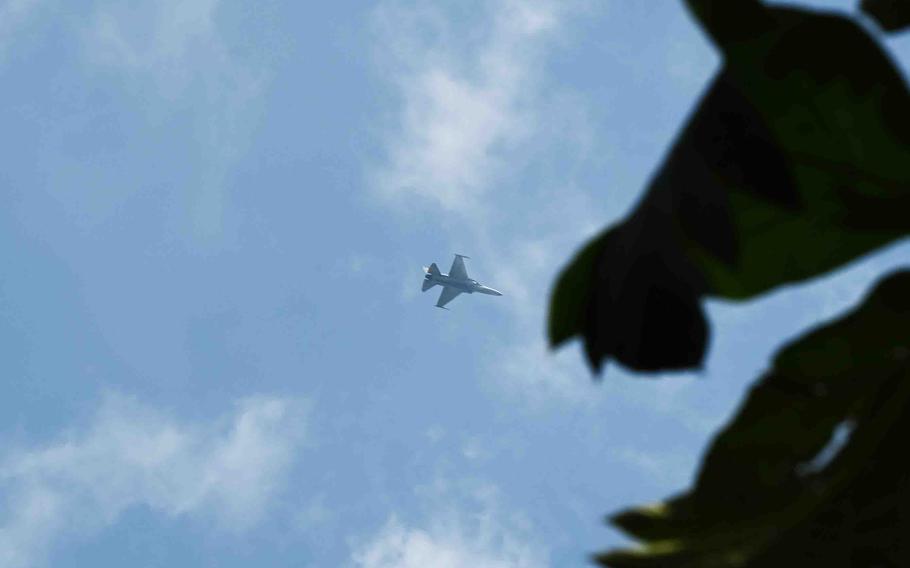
(466, 286)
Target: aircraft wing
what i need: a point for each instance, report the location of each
(458, 270)
(448, 294)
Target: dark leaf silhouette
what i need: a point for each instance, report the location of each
(891, 15)
(796, 161)
(773, 490)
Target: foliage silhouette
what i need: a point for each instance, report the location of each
(766, 495)
(795, 162)
(891, 15)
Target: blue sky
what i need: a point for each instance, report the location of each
(215, 350)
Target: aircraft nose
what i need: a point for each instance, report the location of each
(488, 290)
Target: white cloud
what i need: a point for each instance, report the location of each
(463, 108)
(172, 54)
(455, 538)
(132, 455)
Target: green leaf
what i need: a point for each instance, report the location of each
(571, 294)
(770, 492)
(651, 296)
(795, 162)
(730, 22)
(891, 15)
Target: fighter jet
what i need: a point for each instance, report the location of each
(453, 283)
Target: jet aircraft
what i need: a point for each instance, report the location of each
(453, 283)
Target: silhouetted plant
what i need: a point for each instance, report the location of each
(796, 161)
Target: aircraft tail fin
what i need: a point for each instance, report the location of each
(431, 270)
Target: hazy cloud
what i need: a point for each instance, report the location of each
(132, 455)
(524, 367)
(14, 14)
(171, 51)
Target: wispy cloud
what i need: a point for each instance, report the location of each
(14, 14)
(171, 51)
(464, 109)
(523, 366)
(476, 534)
(131, 455)
(476, 101)
(475, 104)
(667, 470)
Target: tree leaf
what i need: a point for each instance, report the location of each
(891, 15)
(796, 161)
(770, 491)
